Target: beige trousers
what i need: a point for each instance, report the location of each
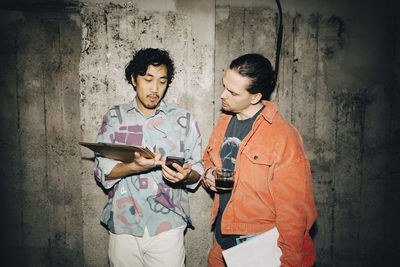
(163, 250)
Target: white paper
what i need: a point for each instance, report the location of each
(261, 250)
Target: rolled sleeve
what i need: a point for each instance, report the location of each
(295, 210)
(103, 167)
(198, 167)
(193, 152)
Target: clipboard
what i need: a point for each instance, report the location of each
(124, 153)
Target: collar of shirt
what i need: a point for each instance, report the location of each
(163, 108)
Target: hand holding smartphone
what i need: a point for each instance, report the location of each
(171, 159)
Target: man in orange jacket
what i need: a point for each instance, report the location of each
(272, 180)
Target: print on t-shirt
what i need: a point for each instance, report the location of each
(228, 152)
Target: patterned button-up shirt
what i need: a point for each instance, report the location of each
(145, 199)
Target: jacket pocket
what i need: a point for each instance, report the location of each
(258, 155)
(255, 167)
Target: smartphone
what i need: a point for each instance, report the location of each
(172, 159)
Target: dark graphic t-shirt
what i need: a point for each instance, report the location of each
(235, 133)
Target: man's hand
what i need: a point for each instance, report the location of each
(184, 173)
(209, 178)
(139, 164)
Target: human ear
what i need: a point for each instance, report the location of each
(256, 98)
(133, 80)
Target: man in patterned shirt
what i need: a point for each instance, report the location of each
(148, 206)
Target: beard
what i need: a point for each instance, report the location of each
(150, 101)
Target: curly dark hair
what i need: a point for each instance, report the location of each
(149, 56)
(259, 70)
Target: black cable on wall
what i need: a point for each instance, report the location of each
(278, 44)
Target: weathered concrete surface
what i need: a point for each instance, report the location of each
(337, 85)
(41, 194)
(61, 68)
(110, 34)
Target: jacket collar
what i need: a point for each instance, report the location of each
(268, 113)
(270, 110)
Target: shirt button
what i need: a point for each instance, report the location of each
(255, 157)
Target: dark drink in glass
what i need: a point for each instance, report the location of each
(224, 179)
(224, 184)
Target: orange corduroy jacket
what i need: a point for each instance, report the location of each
(273, 185)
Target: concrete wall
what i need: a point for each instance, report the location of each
(41, 189)
(61, 68)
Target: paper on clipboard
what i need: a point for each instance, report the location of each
(261, 250)
(124, 153)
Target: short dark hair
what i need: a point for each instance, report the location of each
(143, 58)
(259, 70)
